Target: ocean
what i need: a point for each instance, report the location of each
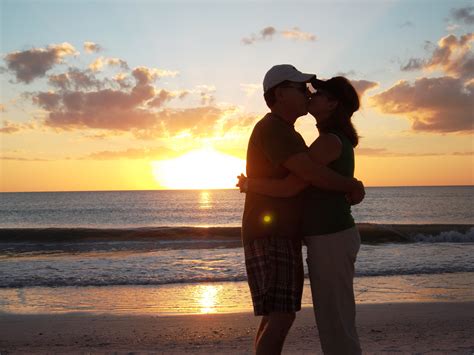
(112, 242)
(124, 209)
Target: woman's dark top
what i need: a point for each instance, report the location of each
(325, 211)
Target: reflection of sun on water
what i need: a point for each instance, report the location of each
(199, 169)
(205, 200)
(208, 297)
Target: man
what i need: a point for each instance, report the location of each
(272, 243)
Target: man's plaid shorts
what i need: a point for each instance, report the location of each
(275, 274)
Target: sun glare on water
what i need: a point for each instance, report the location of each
(199, 169)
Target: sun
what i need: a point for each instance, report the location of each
(198, 170)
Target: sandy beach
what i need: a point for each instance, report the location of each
(383, 328)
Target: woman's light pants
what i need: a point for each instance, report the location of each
(331, 259)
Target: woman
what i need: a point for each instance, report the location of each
(328, 228)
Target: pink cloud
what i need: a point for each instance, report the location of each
(439, 105)
(362, 86)
(452, 55)
(34, 63)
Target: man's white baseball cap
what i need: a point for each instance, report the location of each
(284, 72)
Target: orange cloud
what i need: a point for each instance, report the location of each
(100, 62)
(362, 86)
(440, 105)
(198, 121)
(164, 96)
(382, 152)
(299, 35)
(91, 47)
(122, 79)
(34, 63)
(126, 102)
(145, 75)
(22, 158)
(239, 121)
(267, 34)
(11, 127)
(452, 55)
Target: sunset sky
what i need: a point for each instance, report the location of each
(122, 95)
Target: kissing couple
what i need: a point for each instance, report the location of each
(297, 194)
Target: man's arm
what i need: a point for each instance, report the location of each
(319, 175)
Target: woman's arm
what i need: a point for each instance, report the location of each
(325, 149)
(287, 187)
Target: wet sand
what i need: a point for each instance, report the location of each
(389, 327)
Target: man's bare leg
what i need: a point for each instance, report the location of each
(271, 335)
(263, 324)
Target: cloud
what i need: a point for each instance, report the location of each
(452, 27)
(12, 127)
(240, 122)
(206, 93)
(122, 79)
(3, 157)
(250, 89)
(362, 86)
(299, 35)
(75, 78)
(155, 153)
(47, 100)
(371, 151)
(145, 75)
(452, 55)
(196, 121)
(91, 47)
(34, 63)
(383, 152)
(127, 102)
(413, 64)
(268, 33)
(118, 110)
(265, 34)
(407, 24)
(440, 105)
(464, 153)
(164, 96)
(100, 62)
(3, 108)
(346, 73)
(84, 102)
(465, 14)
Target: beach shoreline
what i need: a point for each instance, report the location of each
(388, 327)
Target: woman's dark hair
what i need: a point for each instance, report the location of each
(340, 89)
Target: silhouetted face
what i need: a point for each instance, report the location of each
(321, 105)
(295, 97)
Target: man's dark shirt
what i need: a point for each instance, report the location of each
(272, 142)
